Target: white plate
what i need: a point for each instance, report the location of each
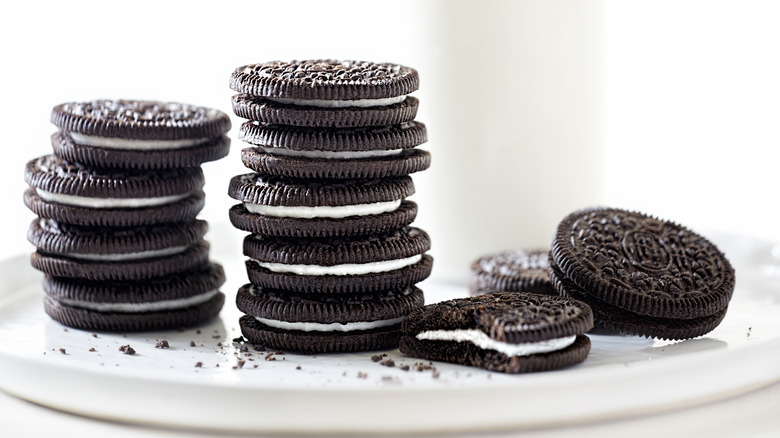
(623, 376)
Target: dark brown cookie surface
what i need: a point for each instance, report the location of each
(380, 138)
(510, 332)
(515, 270)
(140, 120)
(642, 264)
(102, 157)
(275, 113)
(325, 80)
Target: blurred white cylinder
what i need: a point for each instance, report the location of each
(512, 98)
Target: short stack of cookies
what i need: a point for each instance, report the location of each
(117, 233)
(332, 258)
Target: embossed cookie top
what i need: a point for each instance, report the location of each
(513, 263)
(513, 317)
(141, 120)
(642, 263)
(325, 79)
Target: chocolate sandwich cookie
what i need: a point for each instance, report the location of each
(280, 206)
(111, 253)
(510, 332)
(389, 261)
(324, 323)
(172, 301)
(135, 134)
(641, 275)
(377, 152)
(516, 270)
(72, 193)
(310, 92)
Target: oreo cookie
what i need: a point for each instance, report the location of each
(516, 270)
(72, 193)
(103, 253)
(279, 206)
(177, 300)
(376, 152)
(136, 134)
(389, 261)
(510, 332)
(325, 323)
(640, 274)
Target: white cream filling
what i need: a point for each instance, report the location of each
(332, 327)
(128, 256)
(124, 143)
(483, 341)
(326, 211)
(82, 201)
(362, 103)
(345, 269)
(332, 155)
(151, 306)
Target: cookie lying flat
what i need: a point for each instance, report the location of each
(313, 93)
(641, 275)
(71, 193)
(177, 300)
(376, 152)
(133, 134)
(510, 332)
(103, 253)
(323, 323)
(279, 206)
(515, 270)
(389, 261)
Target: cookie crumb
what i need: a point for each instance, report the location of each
(192, 344)
(62, 350)
(197, 331)
(162, 344)
(298, 367)
(388, 363)
(239, 364)
(198, 364)
(362, 375)
(94, 335)
(404, 367)
(92, 349)
(127, 349)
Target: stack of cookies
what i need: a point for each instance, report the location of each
(332, 260)
(116, 233)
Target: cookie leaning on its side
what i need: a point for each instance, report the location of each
(641, 275)
(511, 332)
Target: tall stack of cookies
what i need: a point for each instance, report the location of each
(117, 233)
(332, 258)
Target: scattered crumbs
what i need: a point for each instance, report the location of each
(376, 358)
(217, 336)
(362, 375)
(344, 374)
(269, 357)
(94, 335)
(258, 347)
(217, 365)
(219, 344)
(279, 352)
(198, 364)
(750, 329)
(239, 364)
(255, 365)
(192, 344)
(162, 344)
(92, 350)
(244, 349)
(62, 350)
(314, 357)
(404, 367)
(127, 349)
(197, 331)
(388, 363)
(298, 367)
(65, 329)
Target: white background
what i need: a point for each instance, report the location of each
(680, 103)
